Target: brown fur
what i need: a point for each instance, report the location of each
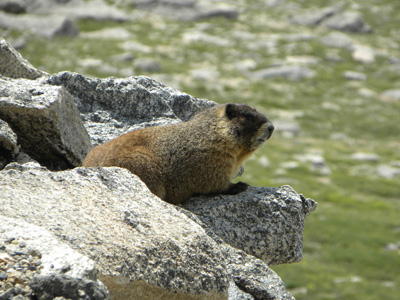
(200, 156)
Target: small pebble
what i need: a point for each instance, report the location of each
(18, 253)
(9, 240)
(3, 276)
(17, 269)
(22, 244)
(32, 268)
(37, 263)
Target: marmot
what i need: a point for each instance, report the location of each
(200, 156)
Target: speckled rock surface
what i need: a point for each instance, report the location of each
(13, 65)
(8, 144)
(46, 121)
(253, 277)
(108, 215)
(265, 222)
(38, 263)
(250, 278)
(110, 107)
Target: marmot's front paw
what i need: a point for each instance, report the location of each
(237, 188)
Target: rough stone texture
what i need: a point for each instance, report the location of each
(112, 106)
(264, 222)
(63, 270)
(253, 277)
(52, 286)
(108, 215)
(13, 65)
(8, 144)
(46, 121)
(290, 72)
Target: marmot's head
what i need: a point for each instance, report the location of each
(250, 127)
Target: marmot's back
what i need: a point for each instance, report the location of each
(200, 156)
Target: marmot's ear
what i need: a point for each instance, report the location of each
(231, 111)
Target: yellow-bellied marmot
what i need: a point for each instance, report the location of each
(200, 156)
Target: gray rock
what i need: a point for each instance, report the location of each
(46, 121)
(391, 95)
(76, 9)
(318, 163)
(141, 239)
(225, 11)
(108, 34)
(63, 270)
(18, 43)
(351, 75)
(13, 6)
(347, 21)
(254, 220)
(362, 156)
(202, 37)
(204, 75)
(234, 293)
(13, 65)
(245, 65)
(394, 60)
(9, 147)
(363, 54)
(338, 40)
(123, 57)
(148, 65)
(42, 6)
(393, 247)
(47, 26)
(98, 10)
(303, 60)
(135, 46)
(290, 72)
(316, 17)
(253, 277)
(188, 10)
(113, 106)
(388, 171)
(55, 286)
(288, 128)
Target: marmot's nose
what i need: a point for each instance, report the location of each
(269, 128)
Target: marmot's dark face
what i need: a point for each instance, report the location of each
(250, 126)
